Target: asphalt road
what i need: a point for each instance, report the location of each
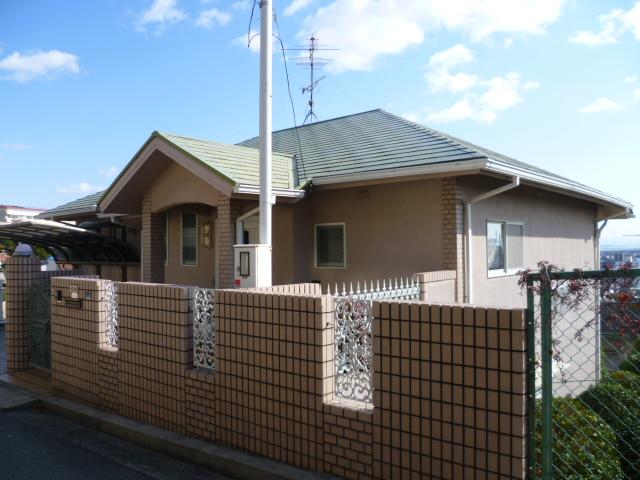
(36, 445)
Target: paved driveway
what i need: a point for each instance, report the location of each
(35, 445)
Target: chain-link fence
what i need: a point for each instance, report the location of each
(584, 374)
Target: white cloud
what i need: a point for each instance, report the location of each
(411, 116)
(241, 5)
(208, 17)
(296, 6)
(160, 13)
(613, 26)
(601, 105)
(27, 67)
(461, 110)
(109, 172)
(636, 94)
(17, 146)
(82, 187)
(481, 99)
(438, 74)
(485, 102)
(629, 79)
(365, 30)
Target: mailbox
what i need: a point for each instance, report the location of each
(252, 265)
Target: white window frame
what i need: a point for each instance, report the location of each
(504, 272)
(182, 264)
(344, 244)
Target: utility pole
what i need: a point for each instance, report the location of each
(266, 97)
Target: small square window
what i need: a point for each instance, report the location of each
(505, 250)
(330, 244)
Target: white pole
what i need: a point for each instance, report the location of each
(266, 18)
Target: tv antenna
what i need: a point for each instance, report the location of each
(312, 62)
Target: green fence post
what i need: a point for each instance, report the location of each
(547, 379)
(531, 383)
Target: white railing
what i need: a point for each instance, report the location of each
(204, 329)
(354, 332)
(391, 289)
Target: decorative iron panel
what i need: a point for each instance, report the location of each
(204, 329)
(40, 323)
(354, 350)
(111, 313)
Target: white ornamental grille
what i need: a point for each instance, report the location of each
(354, 332)
(354, 351)
(204, 329)
(111, 313)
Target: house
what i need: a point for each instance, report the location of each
(14, 213)
(357, 198)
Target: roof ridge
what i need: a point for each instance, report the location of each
(321, 121)
(165, 134)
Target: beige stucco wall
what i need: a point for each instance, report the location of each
(391, 230)
(202, 274)
(557, 228)
(177, 186)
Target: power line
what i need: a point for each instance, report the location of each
(293, 108)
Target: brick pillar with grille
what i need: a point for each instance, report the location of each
(453, 231)
(21, 273)
(229, 209)
(153, 242)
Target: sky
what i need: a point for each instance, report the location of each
(555, 83)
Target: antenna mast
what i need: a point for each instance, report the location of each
(311, 61)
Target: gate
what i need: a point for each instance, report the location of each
(583, 373)
(40, 323)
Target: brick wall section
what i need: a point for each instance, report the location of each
(453, 231)
(75, 343)
(449, 382)
(20, 273)
(229, 209)
(449, 385)
(152, 240)
(437, 287)
(154, 352)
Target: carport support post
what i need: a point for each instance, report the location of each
(21, 271)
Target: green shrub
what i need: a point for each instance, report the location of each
(632, 362)
(617, 401)
(628, 379)
(584, 446)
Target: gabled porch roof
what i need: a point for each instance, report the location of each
(230, 169)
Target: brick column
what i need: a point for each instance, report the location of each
(20, 273)
(229, 209)
(453, 231)
(153, 242)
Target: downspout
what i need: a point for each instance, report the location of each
(596, 266)
(468, 278)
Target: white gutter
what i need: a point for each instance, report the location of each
(240, 221)
(277, 192)
(468, 278)
(445, 167)
(511, 170)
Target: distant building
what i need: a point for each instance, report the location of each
(620, 257)
(13, 213)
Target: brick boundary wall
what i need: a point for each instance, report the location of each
(449, 381)
(21, 274)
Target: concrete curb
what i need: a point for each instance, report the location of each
(225, 460)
